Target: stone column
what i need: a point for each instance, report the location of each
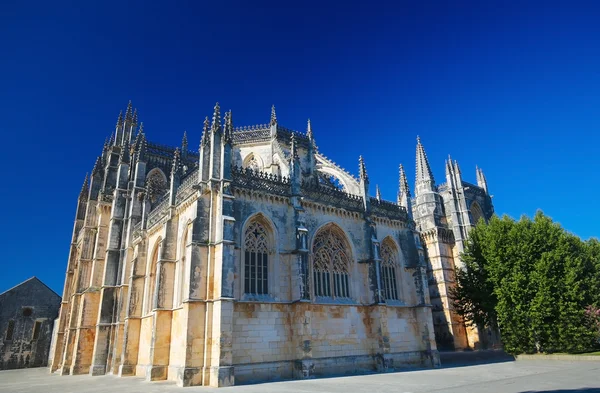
(194, 302)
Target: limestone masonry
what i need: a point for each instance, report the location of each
(258, 258)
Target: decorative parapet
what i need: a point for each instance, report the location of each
(186, 188)
(331, 196)
(388, 209)
(260, 181)
(257, 133)
(161, 209)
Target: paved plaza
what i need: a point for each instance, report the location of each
(505, 377)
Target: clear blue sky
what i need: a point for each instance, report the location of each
(510, 86)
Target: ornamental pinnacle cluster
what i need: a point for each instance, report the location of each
(257, 257)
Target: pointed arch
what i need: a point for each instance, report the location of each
(389, 269)
(156, 184)
(258, 245)
(182, 266)
(253, 162)
(476, 213)
(331, 262)
(151, 274)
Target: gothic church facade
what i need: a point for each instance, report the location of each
(256, 257)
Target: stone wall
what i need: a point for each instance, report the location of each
(30, 309)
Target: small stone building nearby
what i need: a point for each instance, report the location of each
(255, 257)
(27, 314)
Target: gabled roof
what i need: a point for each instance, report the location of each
(28, 280)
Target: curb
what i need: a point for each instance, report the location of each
(559, 357)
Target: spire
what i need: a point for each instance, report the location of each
(449, 170)
(377, 192)
(111, 141)
(216, 120)
(228, 127)
(481, 180)
(141, 148)
(362, 170)
(184, 142)
(124, 157)
(120, 119)
(205, 131)
(293, 147)
(135, 116)
(141, 130)
(404, 182)
(83, 194)
(423, 170)
(404, 193)
(273, 116)
(97, 166)
(176, 162)
(456, 168)
(128, 112)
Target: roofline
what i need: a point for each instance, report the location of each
(29, 279)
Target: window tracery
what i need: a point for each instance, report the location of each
(389, 262)
(256, 259)
(331, 263)
(156, 184)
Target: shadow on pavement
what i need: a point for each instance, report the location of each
(582, 390)
(471, 358)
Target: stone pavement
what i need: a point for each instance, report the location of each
(551, 376)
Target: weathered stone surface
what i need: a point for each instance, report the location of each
(27, 314)
(258, 258)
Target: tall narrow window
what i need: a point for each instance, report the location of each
(151, 277)
(256, 259)
(331, 263)
(36, 330)
(10, 329)
(181, 295)
(389, 262)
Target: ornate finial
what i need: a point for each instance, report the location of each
(273, 116)
(404, 182)
(120, 119)
(97, 166)
(128, 112)
(141, 129)
(456, 167)
(83, 194)
(141, 148)
(205, 131)
(309, 132)
(228, 127)
(176, 161)
(124, 157)
(216, 120)
(184, 141)
(362, 170)
(293, 147)
(377, 192)
(135, 116)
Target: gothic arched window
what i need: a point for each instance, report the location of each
(476, 213)
(156, 184)
(331, 263)
(253, 163)
(256, 259)
(152, 277)
(389, 263)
